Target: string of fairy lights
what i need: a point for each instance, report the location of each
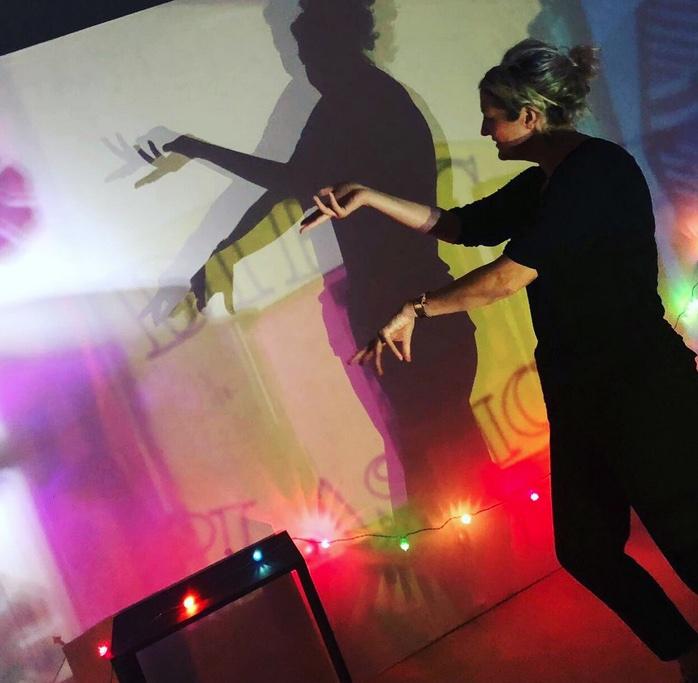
(402, 538)
(191, 603)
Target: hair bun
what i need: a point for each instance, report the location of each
(586, 60)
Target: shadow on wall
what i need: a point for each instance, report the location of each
(363, 127)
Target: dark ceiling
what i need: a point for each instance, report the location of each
(28, 22)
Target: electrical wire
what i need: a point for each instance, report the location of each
(399, 537)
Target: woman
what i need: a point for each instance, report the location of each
(619, 384)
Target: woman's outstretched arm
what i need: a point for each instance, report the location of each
(480, 287)
(345, 198)
(487, 221)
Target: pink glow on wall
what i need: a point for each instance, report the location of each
(16, 213)
(96, 477)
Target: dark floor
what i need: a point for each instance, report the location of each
(553, 632)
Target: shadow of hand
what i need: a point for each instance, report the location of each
(132, 161)
(168, 301)
(215, 276)
(150, 148)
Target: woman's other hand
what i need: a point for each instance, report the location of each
(340, 201)
(397, 331)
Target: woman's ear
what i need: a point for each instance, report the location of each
(533, 119)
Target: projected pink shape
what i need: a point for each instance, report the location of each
(16, 217)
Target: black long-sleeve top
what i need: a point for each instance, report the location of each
(590, 235)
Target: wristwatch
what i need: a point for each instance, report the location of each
(418, 305)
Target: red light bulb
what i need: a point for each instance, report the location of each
(102, 649)
(534, 496)
(190, 604)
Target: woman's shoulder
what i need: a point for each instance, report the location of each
(604, 150)
(597, 161)
(597, 168)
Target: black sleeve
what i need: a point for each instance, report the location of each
(495, 218)
(576, 211)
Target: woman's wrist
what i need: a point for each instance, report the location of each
(413, 215)
(365, 195)
(408, 309)
(431, 221)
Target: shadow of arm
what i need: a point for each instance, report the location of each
(263, 172)
(251, 234)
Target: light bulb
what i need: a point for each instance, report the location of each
(190, 604)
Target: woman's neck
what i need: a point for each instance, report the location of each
(550, 149)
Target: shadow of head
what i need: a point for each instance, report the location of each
(333, 38)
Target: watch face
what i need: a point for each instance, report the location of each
(419, 306)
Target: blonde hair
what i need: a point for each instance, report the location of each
(551, 80)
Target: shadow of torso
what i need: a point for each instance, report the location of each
(376, 136)
(371, 131)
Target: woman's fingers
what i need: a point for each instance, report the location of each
(340, 190)
(361, 356)
(333, 193)
(339, 210)
(325, 209)
(374, 351)
(337, 190)
(323, 213)
(379, 357)
(407, 345)
(365, 354)
(391, 344)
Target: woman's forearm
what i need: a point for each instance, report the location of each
(480, 287)
(420, 217)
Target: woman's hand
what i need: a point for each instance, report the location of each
(342, 200)
(399, 330)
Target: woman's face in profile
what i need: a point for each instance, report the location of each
(506, 135)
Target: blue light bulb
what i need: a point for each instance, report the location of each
(257, 555)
